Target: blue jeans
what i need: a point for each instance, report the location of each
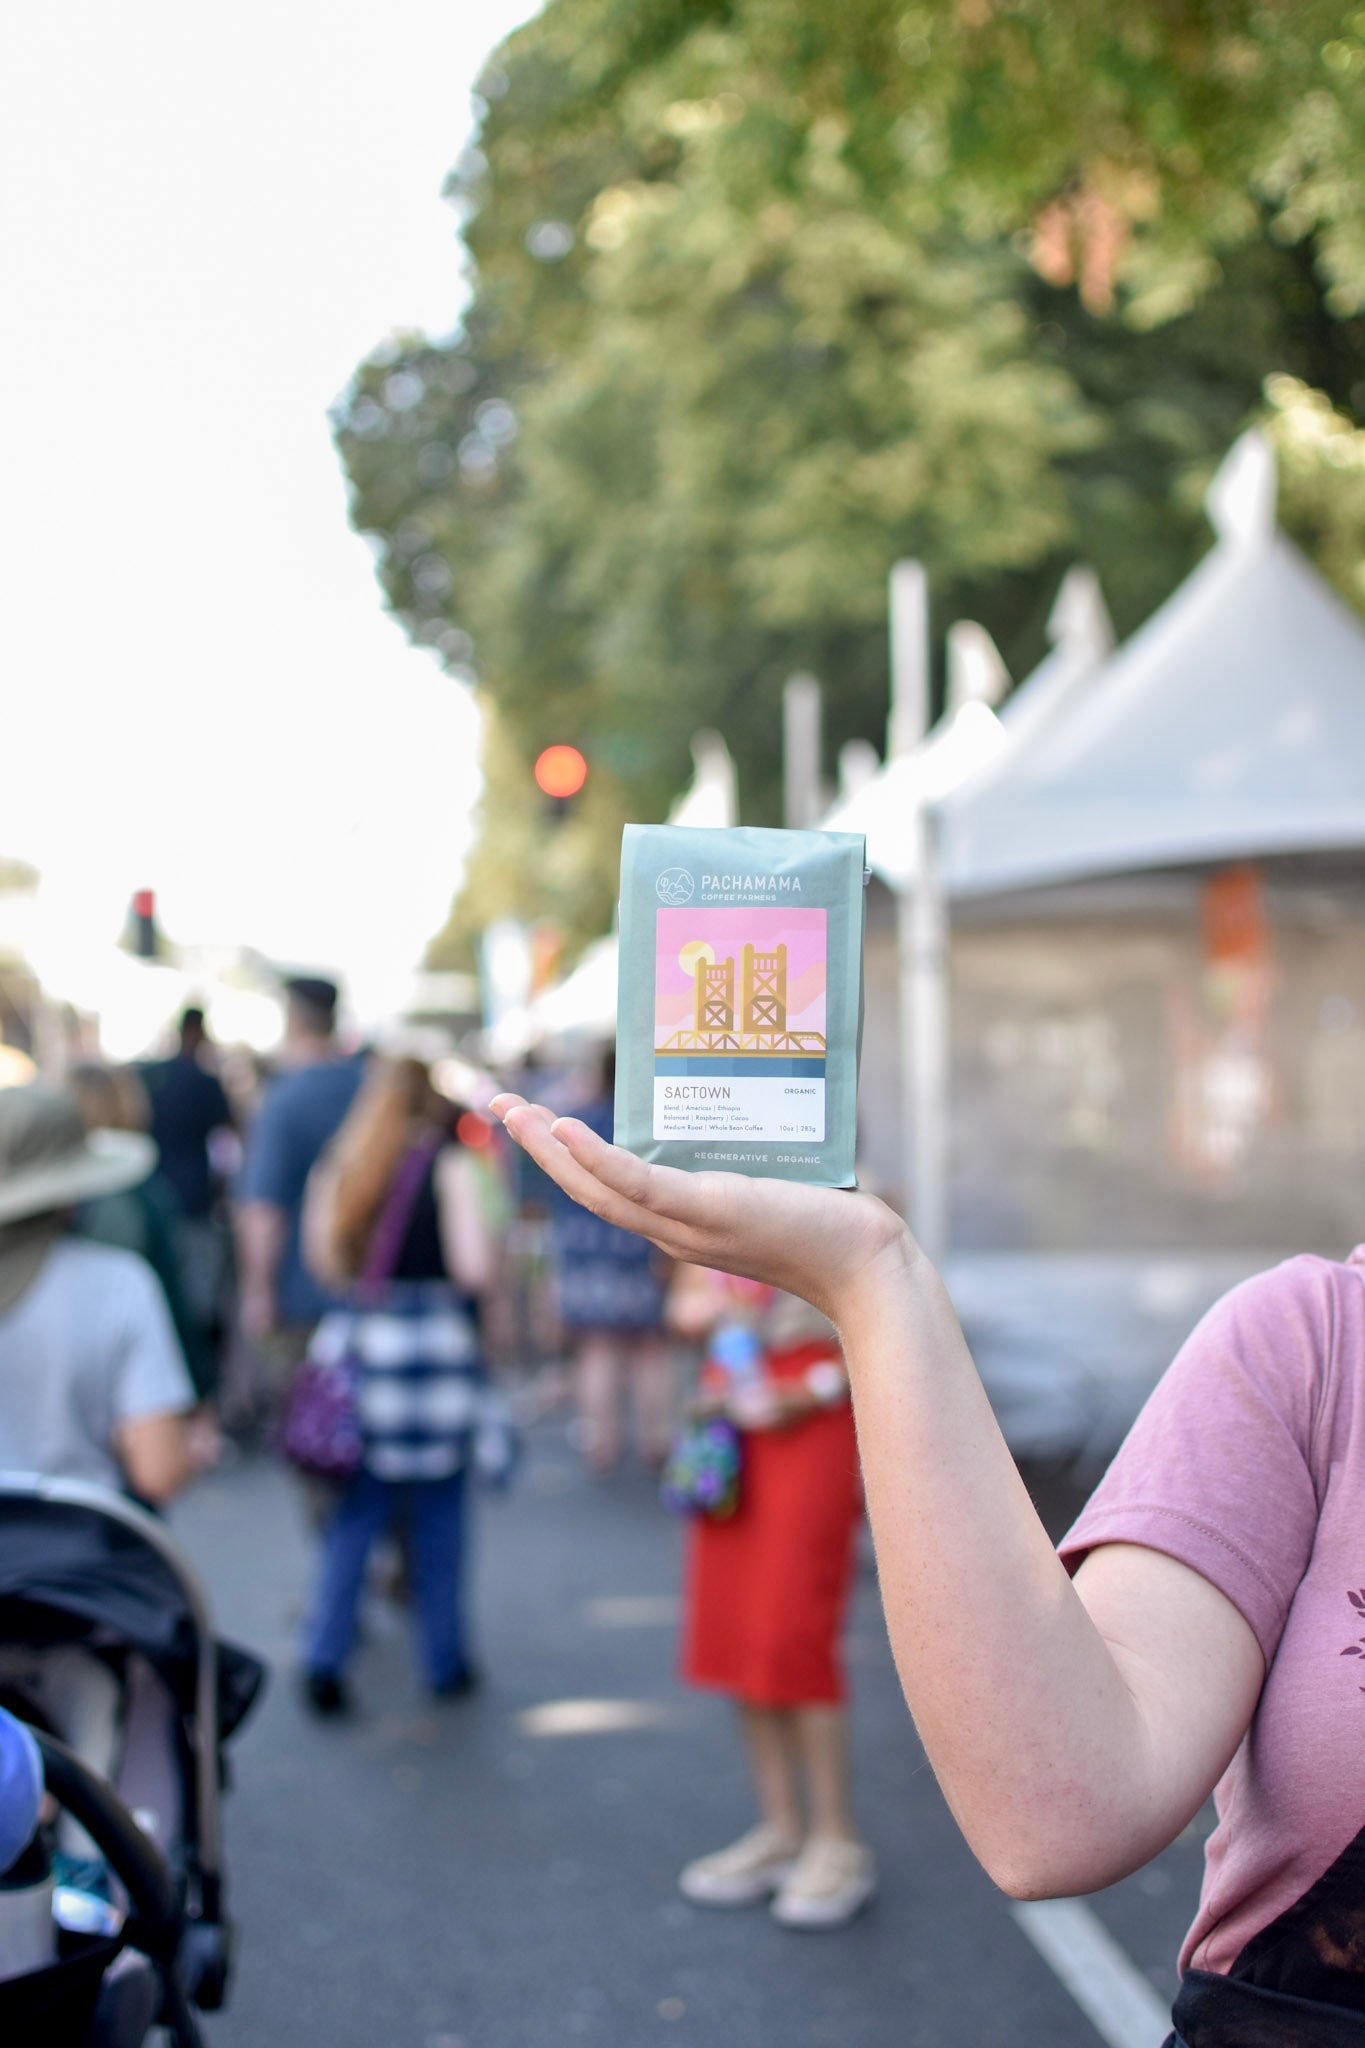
(434, 1513)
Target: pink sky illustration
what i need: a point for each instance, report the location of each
(727, 931)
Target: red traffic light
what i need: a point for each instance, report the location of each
(140, 934)
(560, 771)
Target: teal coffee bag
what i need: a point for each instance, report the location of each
(739, 1014)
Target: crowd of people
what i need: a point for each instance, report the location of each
(1078, 1705)
(184, 1262)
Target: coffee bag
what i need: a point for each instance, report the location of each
(739, 1014)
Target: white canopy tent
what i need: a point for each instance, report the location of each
(1231, 725)
(976, 733)
(896, 809)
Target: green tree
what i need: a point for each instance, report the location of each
(768, 294)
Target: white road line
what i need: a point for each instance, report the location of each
(1112, 1993)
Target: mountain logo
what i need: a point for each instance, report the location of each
(675, 886)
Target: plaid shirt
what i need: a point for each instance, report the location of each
(420, 1384)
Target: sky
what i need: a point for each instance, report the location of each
(208, 216)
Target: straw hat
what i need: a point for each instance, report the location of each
(49, 1163)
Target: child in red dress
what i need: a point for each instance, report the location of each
(766, 1593)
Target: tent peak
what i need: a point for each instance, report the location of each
(859, 764)
(1079, 619)
(711, 798)
(1240, 501)
(976, 672)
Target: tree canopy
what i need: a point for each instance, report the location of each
(768, 294)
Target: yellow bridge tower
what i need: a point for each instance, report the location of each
(759, 1029)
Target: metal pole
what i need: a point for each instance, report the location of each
(920, 930)
(929, 1044)
(801, 804)
(909, 720)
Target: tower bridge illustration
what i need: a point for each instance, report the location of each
(755, 1028)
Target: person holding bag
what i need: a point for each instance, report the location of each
(1200, 1631)
(768, 1572)
(393, 1215)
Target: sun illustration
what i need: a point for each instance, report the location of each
(694, 954)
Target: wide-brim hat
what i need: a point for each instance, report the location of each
(48, 1164)
(49, 1161)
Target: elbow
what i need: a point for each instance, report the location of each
(160, 1464)
(161, 1485)
(1030, 1862)
(1025, 1881)
(1029, 1871)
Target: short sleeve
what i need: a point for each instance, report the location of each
(21, 1789)
(152, 1377)
(269, 1172)
(1218, 1470)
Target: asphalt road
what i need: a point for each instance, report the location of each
(499, 1872)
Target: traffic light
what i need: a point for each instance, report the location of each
(560, 773)
(143, 938)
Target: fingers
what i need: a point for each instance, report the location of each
(659, 1194)
(533, 1128)
(685, 1198)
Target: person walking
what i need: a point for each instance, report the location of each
(93, 1384)
(611, 1287)
(395, 1214)
(280, 1301)
(188, 1110)
(766, 1594)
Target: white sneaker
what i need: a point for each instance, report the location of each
(832, 1880)
(753, 1868)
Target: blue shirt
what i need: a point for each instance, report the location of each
(21, 1789)
(302, 1109)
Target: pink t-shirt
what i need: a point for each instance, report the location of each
(1248, 1463)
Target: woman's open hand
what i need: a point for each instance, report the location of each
(818, 1243)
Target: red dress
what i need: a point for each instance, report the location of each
(766, 1591)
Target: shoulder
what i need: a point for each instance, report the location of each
(198, 1084)
(1306, 1282)
(1229, 1460)
(82, 1261)
(291, 1094)
(324, 1083)
(1283, 1324)
(102, 1277)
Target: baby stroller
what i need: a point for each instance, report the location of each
(107, 1653)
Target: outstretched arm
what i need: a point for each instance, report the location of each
(1074, 1727)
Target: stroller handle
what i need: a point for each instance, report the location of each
(139, 1866)
(80, 1493)
(131, 1853)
